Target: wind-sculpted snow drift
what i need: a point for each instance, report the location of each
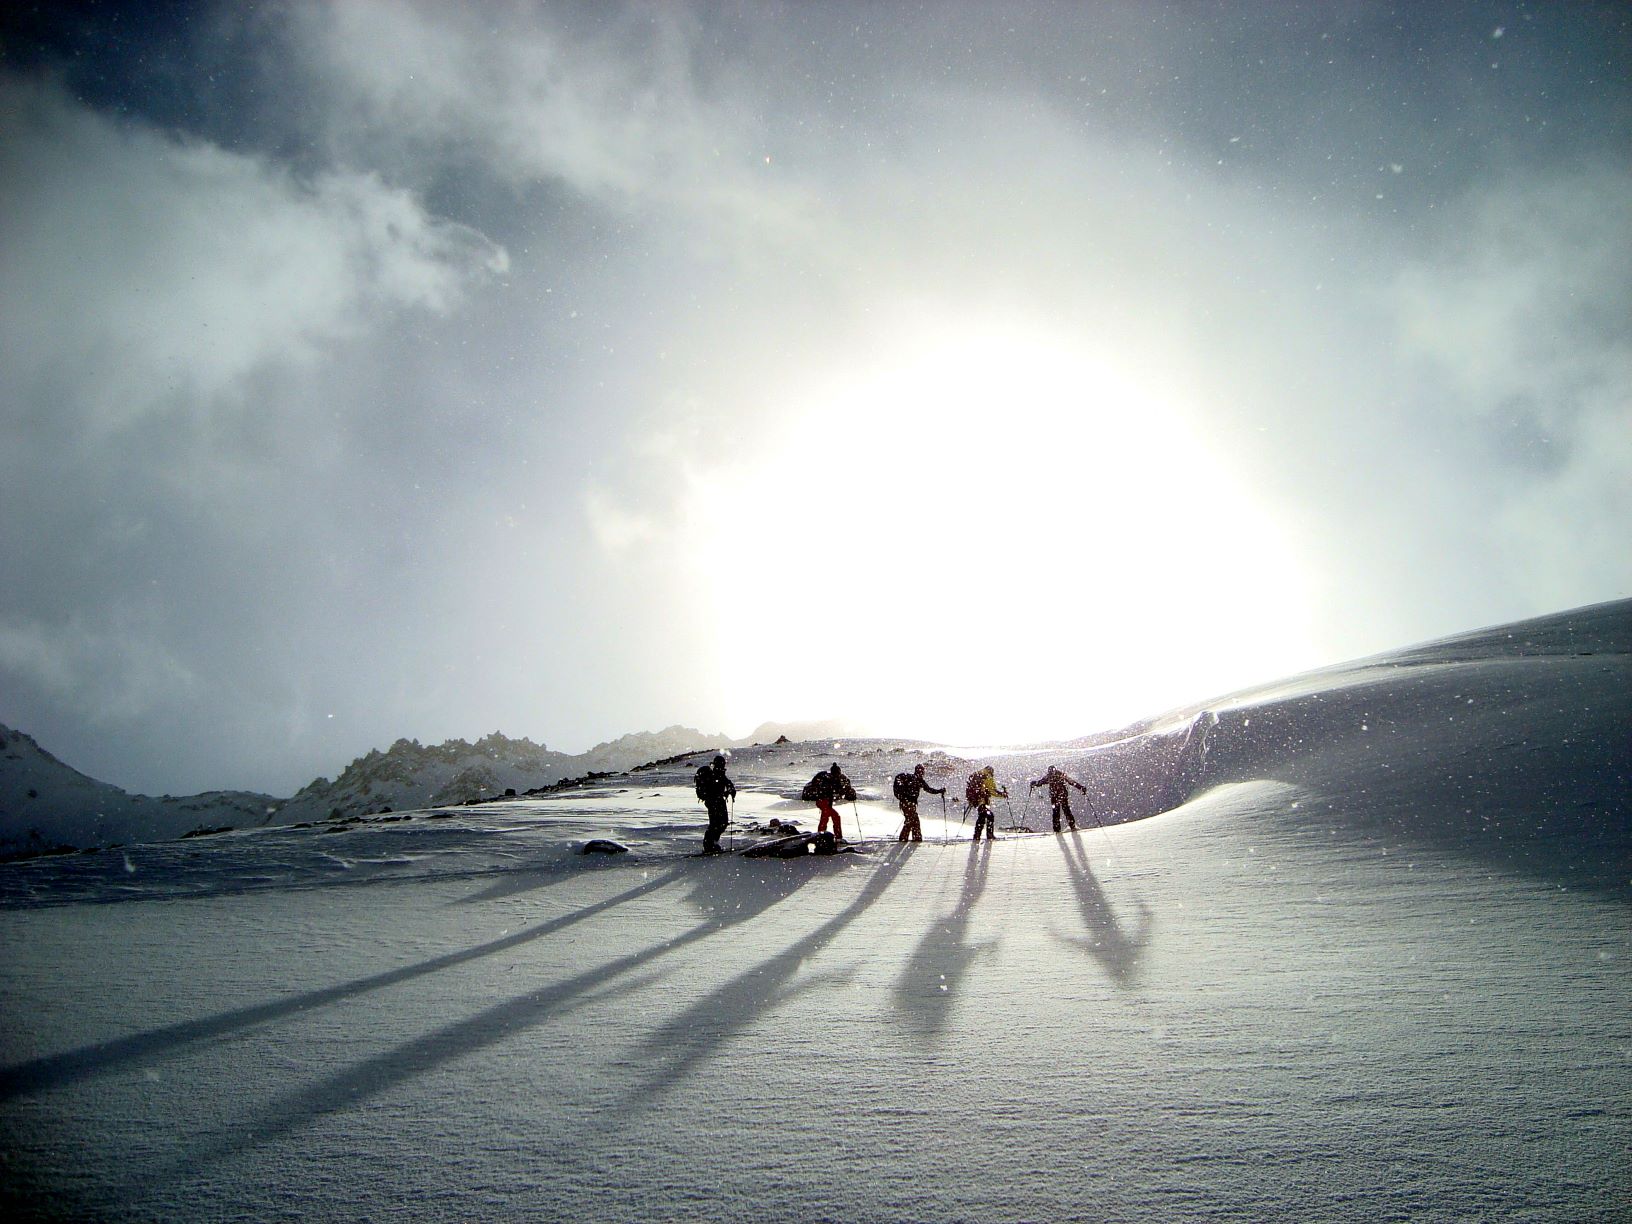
(1498, 740)
(1350, 946)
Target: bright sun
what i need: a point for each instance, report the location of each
(991, 537)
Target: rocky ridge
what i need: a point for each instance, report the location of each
(48, 807)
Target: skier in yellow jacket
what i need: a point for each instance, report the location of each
(979, 791)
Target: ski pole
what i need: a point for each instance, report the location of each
(730, 831)
(945, 824)
(856, 812)
(1110, 845)
(1089, 800)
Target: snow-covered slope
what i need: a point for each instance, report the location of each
(1492, 742)
(1374, 966)
(46, 806)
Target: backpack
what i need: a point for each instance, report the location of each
(819, 787)
(903, 787)
(974, 790)
(705, 784)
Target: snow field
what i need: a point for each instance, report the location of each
(1153, 1021)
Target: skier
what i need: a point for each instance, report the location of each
(713, 788)
(907, 788)
(824, 790)
(979, 792)
(1057, 780)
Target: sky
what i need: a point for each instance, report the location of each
(972, 372)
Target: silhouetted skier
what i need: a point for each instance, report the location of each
(826, 789)
(907, 788)
(714, 788)
(979, 792)
(1057, 781)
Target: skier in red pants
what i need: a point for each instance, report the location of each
(824, 790)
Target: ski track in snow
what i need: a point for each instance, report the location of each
(1376, 968)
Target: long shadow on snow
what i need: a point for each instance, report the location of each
(729, 891)
(278, 859)
(676, 1048)
(41, 1074)
(127, 1200)
(535, 877)
(1117, 952)
(929, 984)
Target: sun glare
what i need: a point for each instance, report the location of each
(992, 536)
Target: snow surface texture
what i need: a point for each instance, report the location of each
(1375, 967)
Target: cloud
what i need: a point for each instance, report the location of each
(1526, 296)
(184, 332)
(112, 669)
(148, 273)
(616, 527)
(1514, 331)
(1053, 177)
(618, 109)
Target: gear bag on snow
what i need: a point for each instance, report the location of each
(797, 846)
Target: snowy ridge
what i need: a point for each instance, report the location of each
(46, 806)
(410, 775)
(1392, 709)
(1149, 768)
